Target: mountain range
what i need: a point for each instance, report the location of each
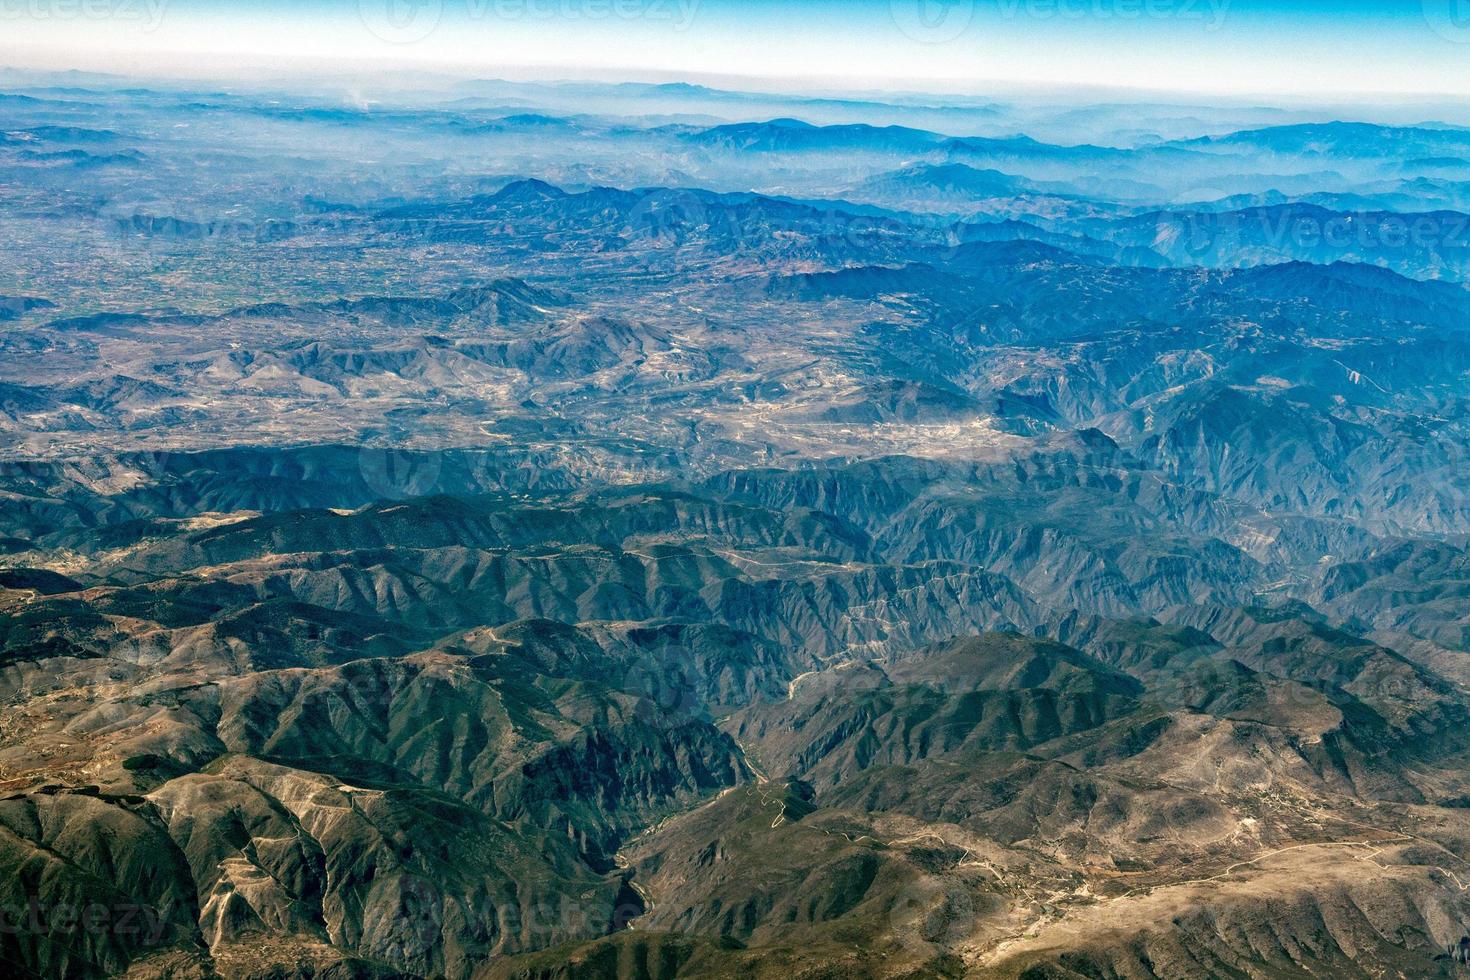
(651, 532)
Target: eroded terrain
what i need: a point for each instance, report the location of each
(590, 546)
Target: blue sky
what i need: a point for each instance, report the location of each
(1256, 47)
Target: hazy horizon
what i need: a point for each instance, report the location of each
(1224, 48)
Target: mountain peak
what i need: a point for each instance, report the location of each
(529, 190)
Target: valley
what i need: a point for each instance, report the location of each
(710, 534)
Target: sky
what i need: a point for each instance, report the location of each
(1282, 49)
